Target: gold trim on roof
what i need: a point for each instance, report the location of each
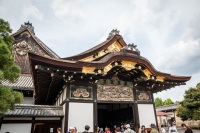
(160, 78)
(128, 65)
(114, 47)
(88, 70)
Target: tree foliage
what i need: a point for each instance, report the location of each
(158, 102)
(8, 69)
(168, 101)
(190, 106)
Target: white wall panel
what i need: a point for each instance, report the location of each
(146, 114)
(80, 114)
(16, 128)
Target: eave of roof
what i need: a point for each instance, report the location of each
(159, 113)
(105, 61)
(168, 107)
(24, 82)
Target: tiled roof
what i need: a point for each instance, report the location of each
(168, 107)
(24, 82)
(36, 111)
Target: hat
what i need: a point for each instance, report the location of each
(71, 128)
(152, 125)
(127, 126)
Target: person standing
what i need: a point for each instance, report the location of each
(59, 130)
(128, 129)
(187, 129)
(162, 129)
(173, 129)
(153, 128)
(75, 129)
(86, 129)
(107, 130)
(143, 129)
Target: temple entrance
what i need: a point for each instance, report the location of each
(110, 114)
(46, 127)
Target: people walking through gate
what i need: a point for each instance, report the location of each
(128, 129)
(187, 129)
(143, 129)
(153, 128)
(86, 129)
(117, 130)
(107, 130)
(162, 129)
(122, 128)
(59, 130)
(173, 129)
(71, 129)
(101, 130)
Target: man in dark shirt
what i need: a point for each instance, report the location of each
(86, 129)
(187, 129)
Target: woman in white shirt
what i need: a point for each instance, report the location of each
(162, 129)
(173, 129)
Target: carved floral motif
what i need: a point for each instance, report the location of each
(22, 48)
(114, 93)
(81, 92)
(143, 96)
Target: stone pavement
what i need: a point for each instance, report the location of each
(182, 131)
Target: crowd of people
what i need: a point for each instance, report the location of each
(126, 128)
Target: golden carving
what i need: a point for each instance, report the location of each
(81, 92)
(160, 78)
(114, 47)
(128, 65)
(114, 93)
(147, 73)
(143, 96)
(88, 70)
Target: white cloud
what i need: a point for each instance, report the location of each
(183, 54)
(31, 11)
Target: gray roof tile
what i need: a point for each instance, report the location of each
(36, 111)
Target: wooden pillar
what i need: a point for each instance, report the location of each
(67, 108)
(33, 125)
(95, 108)
(154, 109)
(135, 110)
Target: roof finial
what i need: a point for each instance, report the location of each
(113, 33)
(29, 26)
(131, 47)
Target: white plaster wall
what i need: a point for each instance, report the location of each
(16, 128)
(64, 94)
(146, 114)
(27, 100)
(81, 114)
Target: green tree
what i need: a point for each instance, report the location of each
(8, 69)
(158, 102)
(168, 101)
(190, 106)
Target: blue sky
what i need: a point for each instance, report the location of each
(167, 33)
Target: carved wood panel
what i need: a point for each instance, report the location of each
(81, 92)
(143, 96)
(114, 93)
